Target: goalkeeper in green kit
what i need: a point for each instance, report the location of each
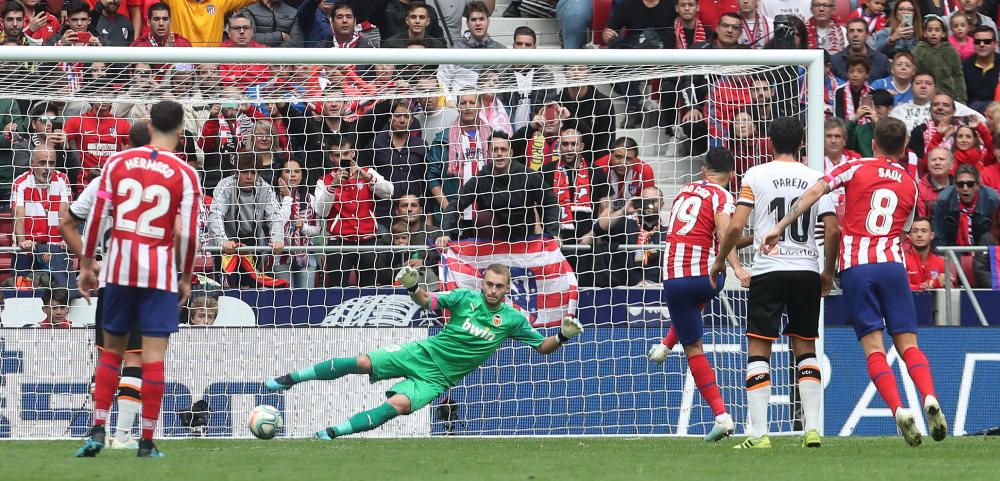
(479, 323)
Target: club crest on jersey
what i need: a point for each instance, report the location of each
(497, 320)
(210, 10)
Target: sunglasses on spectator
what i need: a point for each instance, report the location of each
(966, 184)
(982, 41)
(47, 118)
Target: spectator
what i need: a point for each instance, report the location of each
(45, 129)
(688, 29)
(421, 234)
(275, 24)
(857, 38)
(96, 135)
(748, 145)
(114, 29)
(158, 27)
(266, 147)
(399, 158)
(493, 112)
(960, 37)
(12, 132)
(940, 164)
(938, 57)
(459, 77)
(711, 11)
(504, 202)
(982, 272)
(627, 173)
(41, 197)
(13, 23)
(55, 305)
(873, 12)
(924, 268)
(241, 36)
(539, 142)
(202, 22)
(314, 19)
(942, 118)
(798, 8)
(578, 187)
(593, 111)
(298, 268)
(980, 70)
(835, 151)
(220, 139)
(643, 24)
(964, 212)
(245, 212)
(856, 92)
(143, 85)
(455, 156)
(991, 174)
(860, 134)
(528, 78)
(391, 261)
(824, 28)
(900, 83)
(905, 28)
(972, 143)
(347, 32)
(407, 20)
(38, 24)
(917, 111)
(76, 27)
(636, 222)
(971, 10)
(202, 311)
(431, 112)
(345, 197)
(452, 12)
(756, 27)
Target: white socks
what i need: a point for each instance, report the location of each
(810, 389)
(758, 387)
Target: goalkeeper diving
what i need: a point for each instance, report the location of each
(479, 323)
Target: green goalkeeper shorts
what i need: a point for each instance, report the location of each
(424, 380)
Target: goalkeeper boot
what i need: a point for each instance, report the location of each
(908, 427)
(279, 383)
(658, 353)
(811, 439)
(724, 426)
(94, 443)
(763, 442)
(325, 435)
(148, 450)
(935, 418)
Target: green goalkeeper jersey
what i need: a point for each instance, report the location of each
(474, 332)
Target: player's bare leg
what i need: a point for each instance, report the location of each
(154, 351)
(919, 369)
(758, 386)
(885, 381)
(810, 385)
(106, 376)
(396, 405)
(704, 378)
(129, 401)
(325, 371)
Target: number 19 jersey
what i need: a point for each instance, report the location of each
(880, 202)
(770, 190)
(691, 242)
(146, 191)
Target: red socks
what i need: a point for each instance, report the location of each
(920, 371)
(704, 378)
(152, 396)
(884, 380)
(109, 368)
(671, 340)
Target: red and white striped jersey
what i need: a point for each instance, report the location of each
(145, 191)
(880, 202)
(41, 205)
(691, 242)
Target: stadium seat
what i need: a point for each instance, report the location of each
(21, 311)
(967, 268)
(82, 314)
(234, 312)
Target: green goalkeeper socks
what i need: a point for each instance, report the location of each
(365, 420)
(327, 370)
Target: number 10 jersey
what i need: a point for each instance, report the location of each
(771, 190)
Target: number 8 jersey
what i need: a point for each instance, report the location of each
(770, 190)
(146, 191)
(691, 242)
(880, 202)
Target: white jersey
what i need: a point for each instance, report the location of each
(770, 190)
(81, 207)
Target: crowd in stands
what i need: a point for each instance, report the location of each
(538, 160)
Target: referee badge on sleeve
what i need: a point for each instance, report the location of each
(497, 320)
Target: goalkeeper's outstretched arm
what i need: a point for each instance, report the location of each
(570, 328)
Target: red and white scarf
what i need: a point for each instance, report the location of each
(849, 103)
(301, 207)
(353, 42)
(875, 22)
(464, 157)
(575, 198)
(965, 211)
(699, 33)
(835, 36)
(495, 117)
(758, 35)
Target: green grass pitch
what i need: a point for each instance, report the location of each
(541, 459)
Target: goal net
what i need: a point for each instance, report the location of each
(329, 170)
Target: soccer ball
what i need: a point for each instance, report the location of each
(265, 421)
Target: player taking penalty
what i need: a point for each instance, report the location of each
(880, 204)
(699, 214)
(479, 323)
(786, 280)
(151, 197)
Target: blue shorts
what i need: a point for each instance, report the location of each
(878, 296)
(685, 297)
(155, 310)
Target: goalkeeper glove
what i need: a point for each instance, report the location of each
(570, 329)
(408, 277)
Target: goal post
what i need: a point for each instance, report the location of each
(599, 384)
